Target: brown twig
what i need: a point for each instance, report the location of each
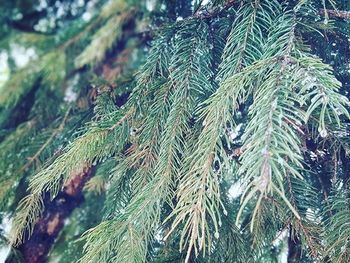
(335, 13)
(126, 116)
(198, 14)
(215, 11)
(308, 237)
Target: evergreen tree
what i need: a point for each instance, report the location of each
(175, 131)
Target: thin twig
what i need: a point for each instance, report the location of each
(309, 238)
(126, 116)
(215, 11)
(198, 14)
(335, 13)
(42, 148)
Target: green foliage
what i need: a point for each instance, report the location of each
(235, 96)
(337, 212)
(103, 40)
(18, 86)
(94, 145)
(50, 69)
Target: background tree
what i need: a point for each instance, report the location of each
(171, 131)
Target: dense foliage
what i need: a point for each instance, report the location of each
(200, 131)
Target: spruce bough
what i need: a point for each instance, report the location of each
(231, 96)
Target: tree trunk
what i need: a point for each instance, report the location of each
(294, 247)
(49, 226)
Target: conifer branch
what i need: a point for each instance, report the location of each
(337, 238)
(310, 231)
(48, 141)
(127, 115)
(140, 217)
(233, 75)
(91, 146)
(196, 81)
(104, 39)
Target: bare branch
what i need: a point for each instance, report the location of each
(335, 13)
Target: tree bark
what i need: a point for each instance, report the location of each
(48, 227)
(294, 247)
